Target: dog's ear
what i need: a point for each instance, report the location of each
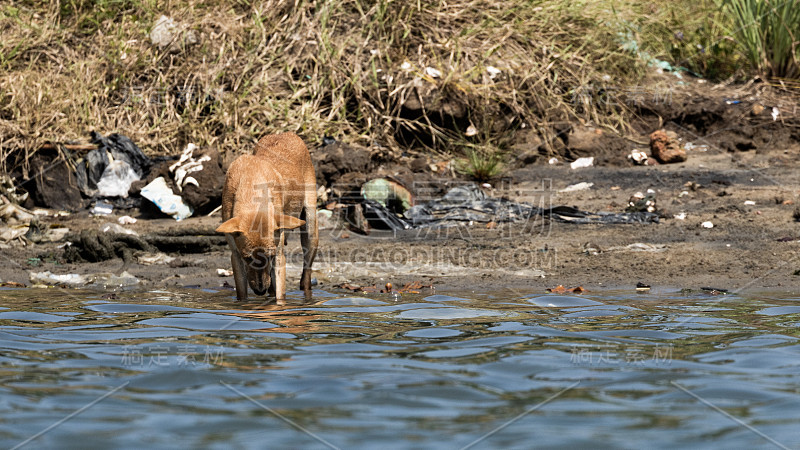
(229, 226)
(287, 222)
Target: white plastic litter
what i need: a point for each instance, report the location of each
(126, 220)
(680, 216)
(109, 227)
(102, 208)
(162, 196)
(433, 73)
(749, 203)
(582, 186)
(186, 165)
(638, 157)
(50, 279)
(148, 259)
(580, 163)
(707, 225)
(224, 272)
(116, 179)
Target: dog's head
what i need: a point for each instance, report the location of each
(257, 239)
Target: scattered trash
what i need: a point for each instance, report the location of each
(74, 280)
(562, 290)
(469, 203)
(149, 259)
(186, 165)
(749, 203)
(12, 284)
(775, 113)
(109, 227)
(325, 219)
(665, 147)
(471, 131)
(162, 196)
(552, 161)
(101, 208)
(689, 146)
(224, 272)
(641, 287)
(577, 187)
(114, 148)
(116, 180)
(680, 216)
(8, 188)
(587, 161)
(640, 202)
(50, 279)
(10, 234)
(11, 213)
(707, 224)
(713, 291)
(433, 73)
(322, 195)
(126, 220)
(638, 157)
(389, 193)
(493, 71)
(639, 247)
(590, 248)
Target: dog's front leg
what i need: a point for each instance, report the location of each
(280, 268)
(239, 270)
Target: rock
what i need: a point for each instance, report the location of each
(166, 34)
(583, 140)
(665, 147)
(52, 183)
(527, 145)
(334, 160)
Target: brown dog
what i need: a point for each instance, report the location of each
(265, 193)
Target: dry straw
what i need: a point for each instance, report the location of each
(344, 68)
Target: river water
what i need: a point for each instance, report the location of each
(443, 370)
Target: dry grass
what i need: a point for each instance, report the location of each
(343, 68)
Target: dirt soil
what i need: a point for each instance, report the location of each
(742, 176)
(749, 247)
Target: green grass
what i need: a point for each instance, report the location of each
(768, 32)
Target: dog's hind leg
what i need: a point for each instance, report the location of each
(309, 240)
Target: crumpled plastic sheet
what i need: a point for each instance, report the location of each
(470, 203)
(121, 148)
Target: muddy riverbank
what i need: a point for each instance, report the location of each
(750, 198)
